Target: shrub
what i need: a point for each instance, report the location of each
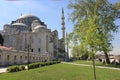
(34, 65)
(47, 63)
(22, 67)
(31, 66)
(58, 61)
(15, 68)
(42, 64)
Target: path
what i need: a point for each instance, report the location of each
(91, 66)
(2, 70)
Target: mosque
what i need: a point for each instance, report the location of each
(28, 34)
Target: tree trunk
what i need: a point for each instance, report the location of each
(93, 60)
(107, 58)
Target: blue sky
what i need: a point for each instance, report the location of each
(49, 11)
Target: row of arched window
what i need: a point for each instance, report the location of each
(22, 58)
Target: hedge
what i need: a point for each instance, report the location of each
(16, 68)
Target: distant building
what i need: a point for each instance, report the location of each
(28, 32)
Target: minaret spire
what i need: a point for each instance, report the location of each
(21, 14)
(63, 28)
(63, 25)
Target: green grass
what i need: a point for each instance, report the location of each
(96, 63)
(62, 72)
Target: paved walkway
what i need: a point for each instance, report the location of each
(92, 66)
(2, 70)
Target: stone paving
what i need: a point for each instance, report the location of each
(2, 70)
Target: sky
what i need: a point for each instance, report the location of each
(49, 11)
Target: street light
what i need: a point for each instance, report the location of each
(28, 57)
(29, 45)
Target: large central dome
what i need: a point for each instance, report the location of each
(27, 19)
(27, 16)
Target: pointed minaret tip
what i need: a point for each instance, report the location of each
(62, 10)
(63, 15)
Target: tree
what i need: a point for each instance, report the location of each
(94, 24)
(117, 5)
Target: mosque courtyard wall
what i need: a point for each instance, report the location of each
(12, 57)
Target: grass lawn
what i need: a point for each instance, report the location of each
(62, 72)
(96, 63)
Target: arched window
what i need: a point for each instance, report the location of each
(31, 50)
(36, 58)
(33, 58)
(30, 57)
(20, 57)
(25, 57)
(8, 57)
(15, 57)
(38, 49)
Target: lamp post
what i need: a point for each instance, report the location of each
(29, 46)
(28, 58)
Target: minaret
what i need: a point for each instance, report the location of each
(63, 25)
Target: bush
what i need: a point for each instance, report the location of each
(22, 67)
(58, 61)
(47, 63)
(42, 64)
(15, 68)
(34, 65)
(31, 66)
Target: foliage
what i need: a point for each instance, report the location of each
(93, 25)
(22, 67)
(15, 68)
(117, 5)
(33, 65)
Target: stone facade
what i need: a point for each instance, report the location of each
(30, 30)
(13, 57)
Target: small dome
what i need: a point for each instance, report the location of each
(19, 24)
(39, 27)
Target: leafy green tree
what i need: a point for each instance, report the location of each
(94, 24)
(117, 5)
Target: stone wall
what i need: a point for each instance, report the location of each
(20, 57)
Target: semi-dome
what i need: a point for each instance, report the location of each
(19, 24)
